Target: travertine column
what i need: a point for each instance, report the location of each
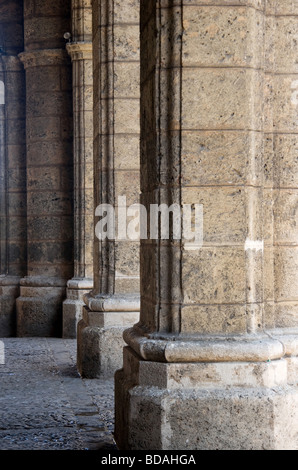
(12, 164)
(49, 169)
(80, 51)
(282, 166)
(200, 370)
(114, 302)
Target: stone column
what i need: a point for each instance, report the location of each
(113, 305)
(281, 175)
(49, 169)
(12, 165)
(80, 51)
(200, 369)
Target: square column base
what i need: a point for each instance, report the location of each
(9, 291)
(100, 342)
(205, 406)
(39, 308)
(73, 306)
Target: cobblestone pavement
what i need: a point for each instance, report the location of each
(46, 405)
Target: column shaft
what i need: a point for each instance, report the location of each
(49, 169)
(80, 50)
(187, 380)
(12, 165)
(114, 302)
(281, 166)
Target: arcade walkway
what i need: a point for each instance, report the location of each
(46, 405)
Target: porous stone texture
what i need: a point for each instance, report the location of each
(116, 173)
(46, 405)
(49, 163)
(206, 367)
(12, 165)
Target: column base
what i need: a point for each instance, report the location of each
(73, 305)
(100, 335)
(205, 406)
(39, 307)
(9, 291)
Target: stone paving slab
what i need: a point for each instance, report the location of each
(46, 405)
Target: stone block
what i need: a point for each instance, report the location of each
(17, 228)
(45, 32)
(16, 130)
(126, 79)
(286, 36)
(286, 160)
(220, 36)
(126, 43)
(286, 282)
(50, 252)
(127, 112)
(126, 12)
(49, 104)
(127, 184)
(56, 152)
(127, 258)
(224, 211)
(287, 7)
(268, 273)
(45, 178)
(285, 212)
(214, 319)
(17, 203)
(286, 313)
(43, 128)
(221, 157)
(45, 203)
(16, 155)
(43, 79)
(208, 276)
(58, 8)
(222, 99)
(16, 179)
(285, 105)
(126, 152)
(39, 316)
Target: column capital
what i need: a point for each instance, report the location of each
(43, 57)
(80, 50)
